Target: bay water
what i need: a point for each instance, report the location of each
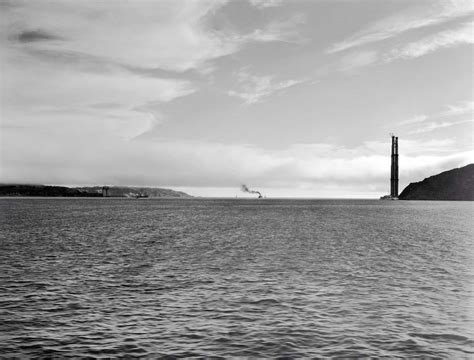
(236, 278)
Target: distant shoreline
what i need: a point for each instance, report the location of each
(52, 191)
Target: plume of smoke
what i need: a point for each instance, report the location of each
(245, 188)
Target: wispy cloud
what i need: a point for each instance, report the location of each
(255, 88)
(465, 107)
(464, 34)
(28, 36)
(265, 3)
(438, 125)
(162, 34)
(64, 98)
(282, 30)
(411, 19)
(357, 59)
(414, 147)
(414, 120)
(158, 34)
(427, 123)
(462, 108)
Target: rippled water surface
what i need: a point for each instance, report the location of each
(224, 278)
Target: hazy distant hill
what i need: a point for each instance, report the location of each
(129, 191)
(94, 191)
(43, 190)
(455, 184)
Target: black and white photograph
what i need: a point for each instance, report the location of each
(237, 179)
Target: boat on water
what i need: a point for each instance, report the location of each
(141, 196)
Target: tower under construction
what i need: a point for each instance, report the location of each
(394, 169)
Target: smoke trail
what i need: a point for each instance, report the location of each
(245, 188)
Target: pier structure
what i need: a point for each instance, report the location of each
(394, 169)
(105, 191)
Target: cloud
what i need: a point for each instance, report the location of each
(34, 83)
(114, 65)
(439, 125)
(160, 34)
(463, 34)
(255, 88)
(414, 148)
(414, 120)
(276, 31)
(466, 107)
(463, 108)
(318, 168)
(163, 34)
(444, 39)
(65, 99)
(411, 19)
(261, 4)
(357, 60)
(36, 35)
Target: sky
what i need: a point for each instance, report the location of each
(293, 98)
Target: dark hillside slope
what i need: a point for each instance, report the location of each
(43, 190)
(92, 191)
(455, 184)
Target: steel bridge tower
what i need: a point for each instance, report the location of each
(394, 169)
